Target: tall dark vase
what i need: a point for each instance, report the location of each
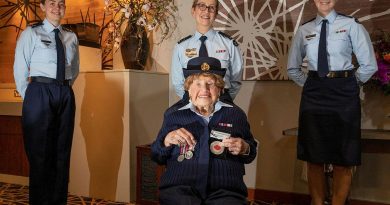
(134, 49)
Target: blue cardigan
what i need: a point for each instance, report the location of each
(204, 172)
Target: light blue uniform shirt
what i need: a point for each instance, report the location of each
(36, 54)
(344, 36)
(218, 46)
(218, 105)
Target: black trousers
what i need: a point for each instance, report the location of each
(48, 122)
(187, 195)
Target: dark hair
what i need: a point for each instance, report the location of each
(216, 5)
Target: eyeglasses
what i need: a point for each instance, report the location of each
(203, 7)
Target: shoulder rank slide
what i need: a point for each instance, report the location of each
(344, 15)
(229, 37)
(184, 39)
(37, 24)
(356, 20)
(67, 29)
(308, 21)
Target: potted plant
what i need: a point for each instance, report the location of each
(132, 21)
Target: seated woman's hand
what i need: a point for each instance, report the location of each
(236, 146)
(179, 136)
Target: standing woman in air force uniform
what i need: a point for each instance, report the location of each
(206, 42)
(329, 117)
(46, 65)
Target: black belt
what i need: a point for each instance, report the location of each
(41, 79)
(333, 74)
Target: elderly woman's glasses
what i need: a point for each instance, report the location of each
(203, 7)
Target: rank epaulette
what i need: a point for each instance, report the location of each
(344, 15)
(356, 20)
(308, 21)
(37, 24)
(229, 37)
(183, 39)
(67, 29)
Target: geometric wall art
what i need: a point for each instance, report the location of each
(265, 28)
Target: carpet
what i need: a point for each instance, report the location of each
(14, 194)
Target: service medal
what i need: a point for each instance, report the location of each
(217, 147)
(180, 158)
(189, 154)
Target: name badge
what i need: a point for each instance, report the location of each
(216, 145)
(220, 51)
(46, 42)
(311, 36)
(341, 31)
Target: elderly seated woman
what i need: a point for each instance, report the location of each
(204, 144)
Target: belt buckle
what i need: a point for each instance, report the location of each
(331, 74)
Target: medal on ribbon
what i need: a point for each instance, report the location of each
(185, 152)
(180, 158)
(188, 154)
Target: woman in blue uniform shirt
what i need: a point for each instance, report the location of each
(46, 65)
(204, 144)
(329, 117)
(216, 44)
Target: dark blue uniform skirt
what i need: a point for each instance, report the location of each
(329, 122)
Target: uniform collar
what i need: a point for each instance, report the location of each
(210, 34)
(218, 105)
(331, 17)
(49, 27)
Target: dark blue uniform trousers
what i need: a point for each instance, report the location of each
(48, 122)
(187, 195)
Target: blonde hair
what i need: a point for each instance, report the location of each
(217, 79)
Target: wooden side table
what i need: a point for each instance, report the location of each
(148, 177)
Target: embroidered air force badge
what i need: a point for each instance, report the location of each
(191, 52)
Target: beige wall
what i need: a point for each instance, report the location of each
(100, 153)
(148, 101)
(116, 111)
